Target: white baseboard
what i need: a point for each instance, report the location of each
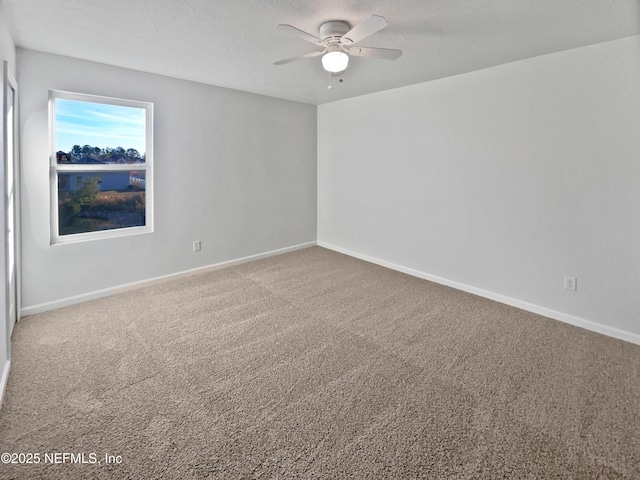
(530, 307)
(65, 302)
(4, 379)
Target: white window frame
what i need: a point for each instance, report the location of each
(56, 168)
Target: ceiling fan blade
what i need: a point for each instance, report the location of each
(299, 33)
(386, 53)
(367, 27)
(299, 57)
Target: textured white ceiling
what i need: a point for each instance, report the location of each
(233, 43)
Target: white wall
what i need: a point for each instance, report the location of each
(232, 169)
(7, 53)
(499, 181)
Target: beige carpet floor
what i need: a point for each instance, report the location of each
(316, 365)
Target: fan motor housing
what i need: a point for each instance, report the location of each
(334, 29)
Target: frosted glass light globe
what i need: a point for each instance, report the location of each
(335, 62)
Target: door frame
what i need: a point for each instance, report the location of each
(10, 85)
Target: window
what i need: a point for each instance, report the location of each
(101, 166)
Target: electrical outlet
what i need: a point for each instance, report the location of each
(351, 233)
(197, 245)
(571, 283)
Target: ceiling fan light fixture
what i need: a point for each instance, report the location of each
(335, 61)
(336, 41)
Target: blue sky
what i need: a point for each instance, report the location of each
(98, 125)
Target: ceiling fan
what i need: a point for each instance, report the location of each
(337, 41)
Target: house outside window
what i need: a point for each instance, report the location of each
(101, 167)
